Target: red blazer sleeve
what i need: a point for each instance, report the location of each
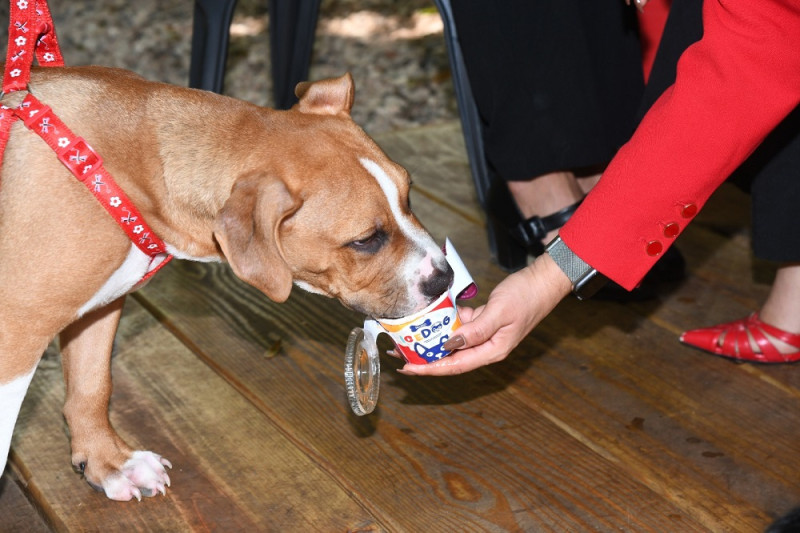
(732, 88)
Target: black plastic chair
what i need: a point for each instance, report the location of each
(292, 27)
(210, 38)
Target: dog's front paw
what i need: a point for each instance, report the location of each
(141, 475)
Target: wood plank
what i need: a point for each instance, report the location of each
(489, 387)
(16, 512)
(436, 159)
(261, 316)
(310, 319)
(600, 421)
(683, 419)
(673, 421)
(234, 470)
(461, 453)
(628, 325)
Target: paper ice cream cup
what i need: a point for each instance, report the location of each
(418, 338)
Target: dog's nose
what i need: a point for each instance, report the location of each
(438, 282)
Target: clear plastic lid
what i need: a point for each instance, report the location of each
(362, 372)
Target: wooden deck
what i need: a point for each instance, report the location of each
(600, 421)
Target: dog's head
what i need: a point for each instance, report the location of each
(331, 215)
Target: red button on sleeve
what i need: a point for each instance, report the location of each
(688, 210)
(654, 248)
(671, 230)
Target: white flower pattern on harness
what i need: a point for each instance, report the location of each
(80, 159)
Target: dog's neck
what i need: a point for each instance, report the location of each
(189, 195)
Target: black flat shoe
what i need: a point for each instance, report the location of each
(513, 238)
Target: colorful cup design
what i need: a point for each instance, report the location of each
(420, 338)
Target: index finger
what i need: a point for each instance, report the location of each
(458, 362)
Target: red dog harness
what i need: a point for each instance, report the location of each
(30, 33)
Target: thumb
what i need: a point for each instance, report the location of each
(479, 328)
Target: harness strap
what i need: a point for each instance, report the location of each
(30, 32)
(84, 163)
(7, 119)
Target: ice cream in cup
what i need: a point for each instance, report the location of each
(418, 338)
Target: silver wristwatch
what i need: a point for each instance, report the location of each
(585, 280)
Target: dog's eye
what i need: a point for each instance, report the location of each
(370, 244)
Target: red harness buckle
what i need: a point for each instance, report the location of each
(80, 159)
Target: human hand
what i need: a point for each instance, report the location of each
(491, 331)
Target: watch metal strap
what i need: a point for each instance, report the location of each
(585, 280)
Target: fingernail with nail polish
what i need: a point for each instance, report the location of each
(455, 343)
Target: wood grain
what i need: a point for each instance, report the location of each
(599, 421)
(234, 470)
(434, 444)
(16, 512)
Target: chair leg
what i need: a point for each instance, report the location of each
(292, 27)
(210, 37)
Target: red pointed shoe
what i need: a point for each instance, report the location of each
(732, 340)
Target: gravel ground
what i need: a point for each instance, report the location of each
(395, 51)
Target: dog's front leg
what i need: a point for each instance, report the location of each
(106, 461)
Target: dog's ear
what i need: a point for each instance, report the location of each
(333, 96)
(247, 230)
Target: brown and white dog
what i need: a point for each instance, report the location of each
(299, 197)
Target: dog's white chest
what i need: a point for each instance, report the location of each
(125, 278)
(11, 396)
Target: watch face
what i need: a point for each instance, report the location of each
(587, 286)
